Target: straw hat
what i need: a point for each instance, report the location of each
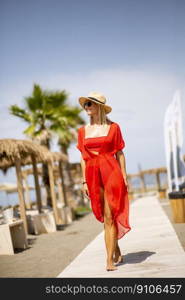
(97, 98)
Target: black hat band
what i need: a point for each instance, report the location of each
(96, 100)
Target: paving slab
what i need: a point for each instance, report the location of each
(150, 249)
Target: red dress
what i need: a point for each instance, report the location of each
(103, 169)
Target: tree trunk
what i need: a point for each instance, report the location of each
(68, 180)
(45, 175)
(45, 180)
(21, 194)
(60, 166)
(37, 186)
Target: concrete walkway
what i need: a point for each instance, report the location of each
(150, 249)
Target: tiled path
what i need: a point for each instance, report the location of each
(150, 249)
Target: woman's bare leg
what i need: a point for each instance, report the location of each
(118, 257)
(110, 235)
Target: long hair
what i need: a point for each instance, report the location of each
(102, 116)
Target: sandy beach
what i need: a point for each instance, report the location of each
(49, 254)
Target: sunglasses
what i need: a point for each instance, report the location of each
(88, 103)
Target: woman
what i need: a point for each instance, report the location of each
(104, 173)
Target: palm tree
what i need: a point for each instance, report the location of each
(66, 137)
(48, 113)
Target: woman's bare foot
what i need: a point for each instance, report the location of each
(110, 266)
(118, 258)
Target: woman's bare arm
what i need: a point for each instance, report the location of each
(82, 162)
(120, 156)
(83, 166)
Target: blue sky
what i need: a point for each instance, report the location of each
(131, 50)
(82, 35)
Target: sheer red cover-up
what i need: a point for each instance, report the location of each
(104, 169)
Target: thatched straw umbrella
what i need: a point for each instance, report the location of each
(58, 158)
(16, 152)
(58, 171)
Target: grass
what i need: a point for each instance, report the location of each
(80, 211)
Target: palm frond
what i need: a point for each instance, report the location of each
(20, 112)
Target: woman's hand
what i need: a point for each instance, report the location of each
(126, 182)
(85, 190)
